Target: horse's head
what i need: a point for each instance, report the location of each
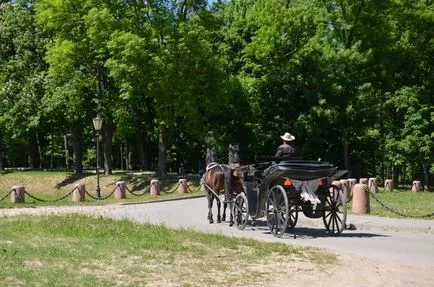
(233, 154)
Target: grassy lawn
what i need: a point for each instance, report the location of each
(77, 250)
(52, 185)
(413, 204)
(403, 201)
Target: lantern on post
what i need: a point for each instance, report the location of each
(97, 124)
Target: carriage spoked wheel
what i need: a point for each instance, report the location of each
(277, 210)
(335, 213)
(241, 211)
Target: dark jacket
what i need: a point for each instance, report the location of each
(286, 150)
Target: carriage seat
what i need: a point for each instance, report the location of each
(302, 169)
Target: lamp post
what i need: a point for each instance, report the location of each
(97, 123)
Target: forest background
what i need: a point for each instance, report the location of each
(352, 80)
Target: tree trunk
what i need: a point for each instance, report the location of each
(347, 162)
(108, 128)
(129, 157)
(65, 144)
(31, 149)
(33, 158)
(2, 164)
(139, 140)
(162, 151)
(121, 154)
(77, 149)
(395, 172)
(39, 149)
(426, 177)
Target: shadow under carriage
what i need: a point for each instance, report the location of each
(313, 232)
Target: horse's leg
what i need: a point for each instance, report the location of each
(219, 204)
(225, 205)
(210, 197)
(228, 193)
(231, 209)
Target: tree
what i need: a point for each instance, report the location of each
(22, 72)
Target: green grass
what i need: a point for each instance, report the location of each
(48, 186)
(412, 204)
(77, 250)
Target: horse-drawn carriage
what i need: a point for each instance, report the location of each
(279, 191)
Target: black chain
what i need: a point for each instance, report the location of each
(50, 200)
(6, 195)
(91, 196)
(146, 190)
(189, 189)
(101, 198)
(171, 191)
(398, 212)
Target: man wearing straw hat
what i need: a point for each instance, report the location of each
(287, 148)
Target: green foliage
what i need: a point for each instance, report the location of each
(351, 79)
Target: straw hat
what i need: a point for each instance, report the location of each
(287, 137)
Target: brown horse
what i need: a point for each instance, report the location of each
(220, 177)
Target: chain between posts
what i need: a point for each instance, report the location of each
(147, 188)
(6, 195)
(50, 200)
(101, 198)
(428, 215)
(171, 191)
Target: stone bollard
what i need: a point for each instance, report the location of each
(416, 186)
(388, 185)
(351, 183)
(78, 195)
(17, 194)
(361, 199)
(337, 183)
(346, 188)
(363, 181)
(372, 184)
(155, 187)
(120, 190)
(182, 187)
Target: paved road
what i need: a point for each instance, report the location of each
(405, 241)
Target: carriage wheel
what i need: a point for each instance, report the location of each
(335, 213)
(277, 210)
(241, 211)
(293, 216)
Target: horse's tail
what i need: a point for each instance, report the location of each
(202, 182)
